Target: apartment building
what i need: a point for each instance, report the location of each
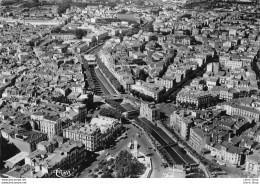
(42, 164)
(233, 64)
(245, 110)
(88, 135)
(168, 82)
(194, 97)
(26, 141)
(95, 134)
(228, 152)
(101, 35)
(198, 138)
(149, 111)
(75, 112)
(51, 125)
(253, 164)
(181, 121)
(232, 93)
(149, 89)
(64, 36)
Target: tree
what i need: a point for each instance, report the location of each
(56, 30)
(80, 33)
(109, 112)
(142, 75)
(64, 6)
(96, 170)
(126, 165)
(93, 175)
(107, 174)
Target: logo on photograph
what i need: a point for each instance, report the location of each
(63, 173)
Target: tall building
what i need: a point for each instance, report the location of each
(149, 111)
(181, 121)
(198, 139)
(253, 164)
(95, 134)
(213, 67)
(51, 125)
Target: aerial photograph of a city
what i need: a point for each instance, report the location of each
(129, 89)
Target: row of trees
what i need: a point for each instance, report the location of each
(142, 96)
(78, 32)
(187, 105)
(109, 112)
(115, 105)
(88, 75)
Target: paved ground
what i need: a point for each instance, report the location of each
(144, 144)
(98, 84)
(176, 155)
(105, 82)
(232, 171)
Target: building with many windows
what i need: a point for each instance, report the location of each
(181, 121)
(42, 164)
(228, 152)
(95, 134)
(149, 111)
(64, 36)
(51, 125)
(88, 135)
(166, 81)
(245, 107)
(198, 138)
(194, 98)
(149, 89)
(253, 164)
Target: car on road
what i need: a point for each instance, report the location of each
(221, 163)
(107, 154)
(89, 171)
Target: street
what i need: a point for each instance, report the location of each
(105, 82)
(144, 146)
(164, 139)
